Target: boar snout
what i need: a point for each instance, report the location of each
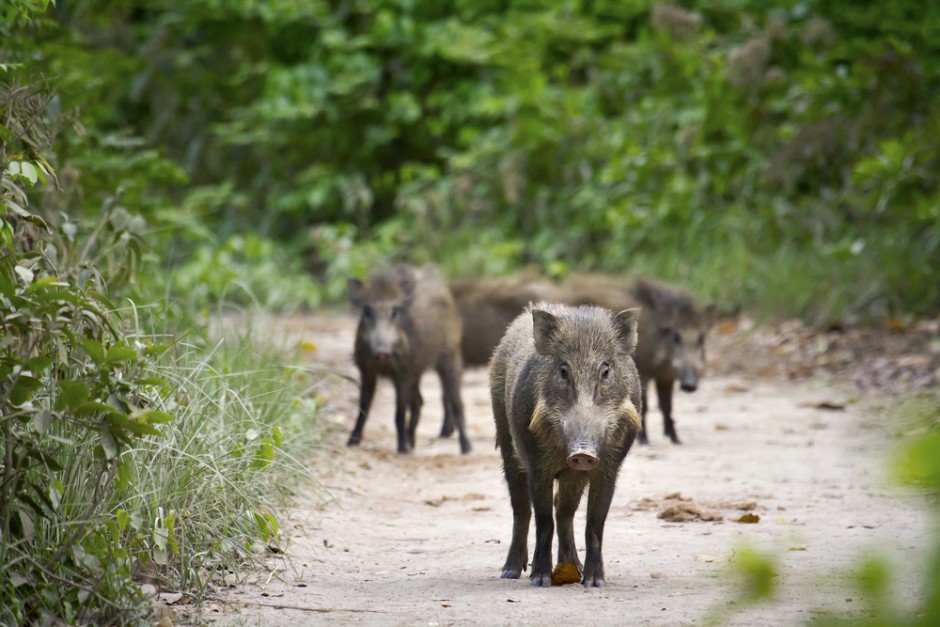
(382, 355)
(688, 380)
(583, 459)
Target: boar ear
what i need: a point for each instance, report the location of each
(625, 323)
(356, 292)
(647, 293)
(406, 279)
(544, 326)
(709, 315)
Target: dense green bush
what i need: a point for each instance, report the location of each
(779, 156)
(133, 444)
(127, 453)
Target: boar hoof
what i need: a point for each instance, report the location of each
(447, 430)
(354, 440)
(642, 439)
(593, 577)
(541, 581)
(510, 573)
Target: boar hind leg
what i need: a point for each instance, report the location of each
(518, 484)
(450, 381)
(566, 503)
(664, 394)
(447, 427)
(403, 392)
(417, 401)
(641, 437)
(599, 497)
(518, 555)
(366, 393)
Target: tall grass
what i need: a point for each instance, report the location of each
(177, 509)
(207, 492)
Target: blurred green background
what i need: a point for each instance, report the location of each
(780, 156)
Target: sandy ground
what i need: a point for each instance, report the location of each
(420, 539)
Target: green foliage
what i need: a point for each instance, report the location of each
(126, 452)
(703, 145)
(245, 269)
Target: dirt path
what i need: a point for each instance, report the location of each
(421, 539)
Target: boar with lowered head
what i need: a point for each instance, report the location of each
(565, 394)
(408, 322)
(488, 306)
(672, 346)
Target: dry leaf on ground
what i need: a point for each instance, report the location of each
(565, 573)
(827, 405)
(687, 512)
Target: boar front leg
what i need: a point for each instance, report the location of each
(540, 489)
(664, 394)
(366, 394)
(570, 488)
(599, 497)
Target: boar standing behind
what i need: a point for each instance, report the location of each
(565, 393)
(408, 323)
(489, 305)
(671, 347)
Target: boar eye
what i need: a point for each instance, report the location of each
(605, 371)
(396, 313)
(368, 312)
(564, 372)
(676, 338)
(701, 339)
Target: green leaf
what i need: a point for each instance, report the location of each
(264, 454)
(108, 444)
(123, 475)
(27, 170)
(38, 364)
(154, 381)
(919, 461)
(23, 389)
(93, 349)
(71, 394)
(91, 408)
(123, 519)
(27, 527)
(122, 422)
(155, 350)
(151, 416)
(120, 352)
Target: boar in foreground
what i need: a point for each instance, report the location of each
(565, 394)
(408, 323)
(671, 346)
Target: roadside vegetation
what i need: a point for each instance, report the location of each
(163, 162)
